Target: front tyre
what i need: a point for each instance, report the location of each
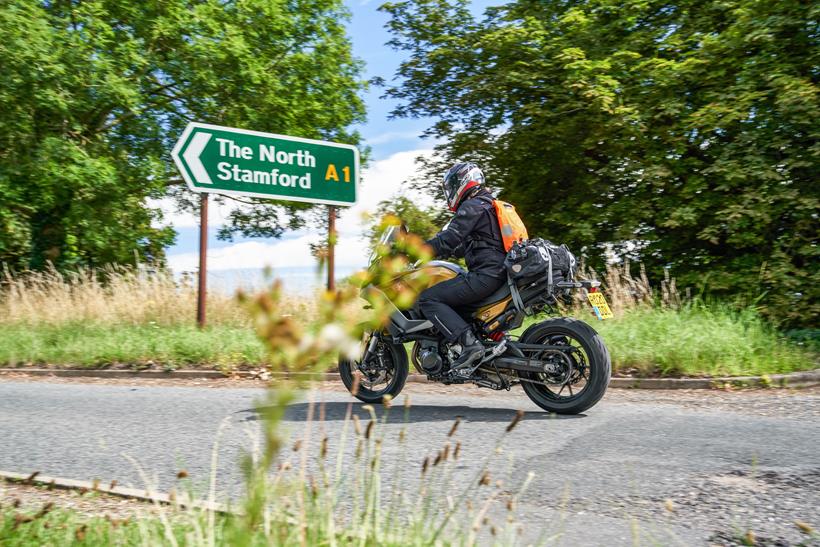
(383, 372)
(579, 374)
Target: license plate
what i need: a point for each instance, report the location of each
(599, 305)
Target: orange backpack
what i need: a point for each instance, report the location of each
(512, 228)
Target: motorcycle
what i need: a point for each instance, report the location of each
(561, 363)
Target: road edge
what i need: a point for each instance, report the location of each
(791, 380)
(112, 489)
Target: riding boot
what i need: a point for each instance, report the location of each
(472, 350)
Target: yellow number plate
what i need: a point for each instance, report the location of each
(599, 305)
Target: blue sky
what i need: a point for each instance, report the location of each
(367, 32)
(394, 146)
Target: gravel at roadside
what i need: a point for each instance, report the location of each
(33, 498)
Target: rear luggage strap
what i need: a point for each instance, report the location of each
(549, 271)
(516, 296)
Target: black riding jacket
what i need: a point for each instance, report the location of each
(473, 234)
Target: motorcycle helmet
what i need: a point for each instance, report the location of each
(461, 177)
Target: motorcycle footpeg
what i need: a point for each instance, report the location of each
(465, 372)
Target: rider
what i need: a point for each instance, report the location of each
(474, 234)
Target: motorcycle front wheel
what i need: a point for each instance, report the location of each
(580, 373)
(383, 372)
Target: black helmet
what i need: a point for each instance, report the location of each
(459, 179)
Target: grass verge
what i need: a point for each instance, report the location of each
(64, 527)
(692, 341)
(96, 346)
(700, 340)
(117, 316)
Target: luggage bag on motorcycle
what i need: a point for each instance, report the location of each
(537, 260)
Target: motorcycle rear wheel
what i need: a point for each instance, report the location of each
(396, 371)
(590, 367)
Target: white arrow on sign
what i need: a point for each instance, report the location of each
(191, 156)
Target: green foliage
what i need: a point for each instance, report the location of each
(809, 338)
(693, 341)
(681, 134)
(425, 223)
(94, 93)
(60, 527)
(97, 345)
(700, 340)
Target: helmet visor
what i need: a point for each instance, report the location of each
(449, 186)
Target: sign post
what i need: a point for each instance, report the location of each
(239, 162)
(203, 255)
(331, 243)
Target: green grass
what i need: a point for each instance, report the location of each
(98, 345)
(696, 340)
(61, 527)
(700, 340)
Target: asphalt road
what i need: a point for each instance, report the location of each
(652, 468)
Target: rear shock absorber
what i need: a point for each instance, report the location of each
(498, 336)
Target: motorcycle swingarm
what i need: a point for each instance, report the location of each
(522, 365)
(521, 351)
(519, 361)
(538, 347)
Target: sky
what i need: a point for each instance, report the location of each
(395, 144)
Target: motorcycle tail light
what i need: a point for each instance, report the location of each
(593, 289)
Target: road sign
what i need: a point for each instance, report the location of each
(226, 160)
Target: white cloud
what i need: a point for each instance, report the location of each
(350, 252)
(217, 213)
(381, 180)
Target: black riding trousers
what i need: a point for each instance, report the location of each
(437, 302)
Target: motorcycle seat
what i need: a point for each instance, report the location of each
(500, 294)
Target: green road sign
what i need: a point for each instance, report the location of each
(225, 160)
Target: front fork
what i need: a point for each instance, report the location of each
(368, 350)
(371, 346)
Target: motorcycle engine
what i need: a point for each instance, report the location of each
(453, 351)
(429, 358)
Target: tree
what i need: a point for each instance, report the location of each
(422, 222)
(94, 93)
(683, 134)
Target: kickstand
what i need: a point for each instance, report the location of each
(504, 383)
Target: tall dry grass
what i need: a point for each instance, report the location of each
(120, 316)
(117, 295)
(625, 292)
